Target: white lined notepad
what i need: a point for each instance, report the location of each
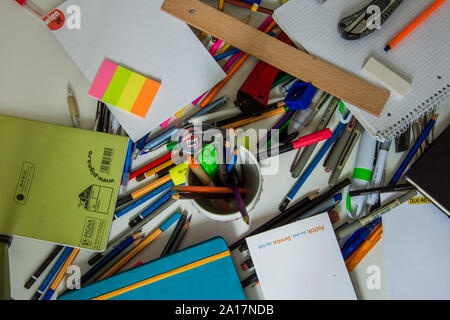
(423, 57)
(139, 36)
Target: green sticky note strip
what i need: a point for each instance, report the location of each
(117, 85)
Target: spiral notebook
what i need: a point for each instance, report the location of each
(422, 57)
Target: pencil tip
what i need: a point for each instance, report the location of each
(436, 116)
(387, 48)
(247, 220)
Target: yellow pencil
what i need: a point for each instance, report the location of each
(61, 274)
(221, 4)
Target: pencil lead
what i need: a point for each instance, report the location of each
(246, 220)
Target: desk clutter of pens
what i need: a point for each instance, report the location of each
(233, 165)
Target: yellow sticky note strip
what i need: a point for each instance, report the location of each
(178, 173)
(131, 92)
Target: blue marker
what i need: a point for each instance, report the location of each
(337, 131)
(62, 258)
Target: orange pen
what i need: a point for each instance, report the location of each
(414, 24)
(364, 248)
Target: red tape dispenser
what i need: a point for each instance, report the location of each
(253, 95)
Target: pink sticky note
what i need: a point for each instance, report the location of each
(102, 80)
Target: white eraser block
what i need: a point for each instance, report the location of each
(385, 76)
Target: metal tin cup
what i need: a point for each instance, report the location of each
(252, 181)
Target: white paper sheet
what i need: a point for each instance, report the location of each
(416, 242)
(301, 261)
(139, 36)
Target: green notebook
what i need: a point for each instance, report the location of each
(58, 184)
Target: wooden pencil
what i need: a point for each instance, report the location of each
(203, 189)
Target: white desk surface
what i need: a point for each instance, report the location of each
(34, 72)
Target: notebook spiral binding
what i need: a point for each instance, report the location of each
(429, 105)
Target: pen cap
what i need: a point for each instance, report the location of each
(252, 183)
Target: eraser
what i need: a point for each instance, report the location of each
(386, 77)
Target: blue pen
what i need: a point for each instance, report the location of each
(107, 258)
(166, 135)
(362, 235)
(126, 168)
(144, 199)
(226, 54)
(342, 124)
(62, 258)
(139, 146)
(413, 151)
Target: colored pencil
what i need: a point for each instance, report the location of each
(155, 205)
(181, 235)
(174, 235)
(150, 165)
(163, 227)
(130, 231)
(203, 189)
(265, 115)
(62, 272)
(249, 6)
(154, 170)
(43, 266)
(200, 196)
(127, 165)
(88, 275)
(144, 199)
(139, 193)
(52, 273)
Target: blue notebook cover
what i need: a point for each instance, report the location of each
(202, 272)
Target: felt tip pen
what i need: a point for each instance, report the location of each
(350, 145)
(334, 154)
(299, 143)
(393, 188)
(377, 175)
(361, 174)
(303, 157)
(348, 229)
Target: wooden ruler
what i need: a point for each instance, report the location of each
(319, 73)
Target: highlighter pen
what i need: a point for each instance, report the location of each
(356, 133)
(377, 175)
(303, 157)
(349, 228)
(361, 174)
(298, 120)
(334, 154)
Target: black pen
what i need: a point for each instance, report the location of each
(394, 188)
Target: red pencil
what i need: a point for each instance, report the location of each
(150, 165)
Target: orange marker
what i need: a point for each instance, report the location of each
(413, 25)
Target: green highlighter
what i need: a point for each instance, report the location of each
(209, 160)
(59, 184)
